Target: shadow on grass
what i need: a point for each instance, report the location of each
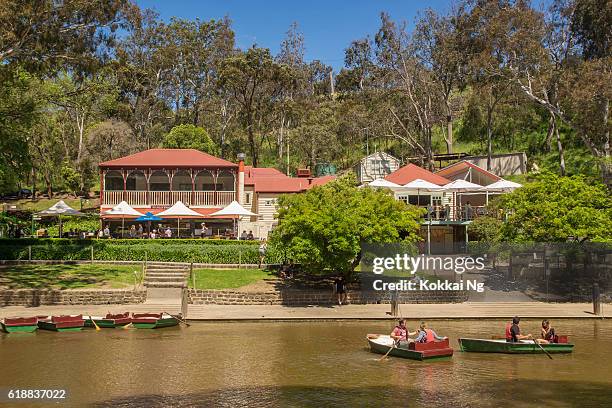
(61, 276)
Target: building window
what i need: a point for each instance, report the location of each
(247, 198)
(422, 200)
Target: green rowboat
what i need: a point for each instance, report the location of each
(109, 321)
(153, 320)
(19, 324)
(437, 350)
(62, 323)
(520, 347)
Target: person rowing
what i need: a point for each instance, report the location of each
(426, 335)
(547, 333)
(513, 331)
(400, 333)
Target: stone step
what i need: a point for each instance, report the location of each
(165, 284)
(167, 275)
(163, 279)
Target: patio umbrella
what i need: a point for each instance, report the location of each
(420, 184)
(383, 183)
(179, 210)
(461, 186)
(148, 217)
(234, 209)
(501, 186)
(123, 209)
(60, 208)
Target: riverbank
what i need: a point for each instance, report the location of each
(468, 310)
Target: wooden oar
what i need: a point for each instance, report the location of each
(543, 349)
(390, 348)
(179, 319)
(94, 323)
(127, 326)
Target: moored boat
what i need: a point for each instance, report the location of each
(153, 320)
(19, 324)
(381, 344)
(61, 323)
(520, 347)
(108, 321)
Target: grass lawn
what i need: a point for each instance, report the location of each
(67, 276)
(227, 278)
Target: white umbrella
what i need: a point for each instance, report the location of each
(235, 209)
(123, 209)
(179, 210)
(383, 183)
(60, 208)
(459, 186)
(502, 186)
(420, 184)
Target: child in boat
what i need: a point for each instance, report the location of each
(513, 331)
(547, 332)
(426, 335)
(400, 333)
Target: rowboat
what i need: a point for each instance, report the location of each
(381, 343)
(520, 347)
(19, 324)
(153, 320)
(109, 321)
(61, 323)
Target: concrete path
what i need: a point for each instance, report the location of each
(470, 310)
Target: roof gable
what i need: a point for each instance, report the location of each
(462, 166)
(380, 155)
(169, 158)
(411, 172)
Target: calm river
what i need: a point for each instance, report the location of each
(302, 364)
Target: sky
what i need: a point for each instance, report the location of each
(328, 26)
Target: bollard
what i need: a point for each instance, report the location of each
(596, 300)
(184, 302)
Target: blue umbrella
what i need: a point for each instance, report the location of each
(149, 217)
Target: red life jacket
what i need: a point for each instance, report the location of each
(429, 336)
(508, 333)
(400, 332)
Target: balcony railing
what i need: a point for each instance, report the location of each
(455, 213)
(168, 198)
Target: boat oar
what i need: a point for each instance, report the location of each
(94, 323)
(179, 319)
(543, 349)
(127, 326)
(390, 348)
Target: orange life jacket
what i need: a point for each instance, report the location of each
(508, 333)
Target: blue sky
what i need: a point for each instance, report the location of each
(328, 26)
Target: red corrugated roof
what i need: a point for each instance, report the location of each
(462, 165)
(169, 158)
(411, 172)
(271, 180)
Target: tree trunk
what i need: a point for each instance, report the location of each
(551, 130)
(489, 138)
(560, 148)
(252, 145)
(449, 128)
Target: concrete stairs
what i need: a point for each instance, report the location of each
(166, 275)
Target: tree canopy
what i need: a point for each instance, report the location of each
(190, 137)
(323, 229)
(555, 209)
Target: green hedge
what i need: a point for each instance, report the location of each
(184, 250)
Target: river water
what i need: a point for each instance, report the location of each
(284, 364)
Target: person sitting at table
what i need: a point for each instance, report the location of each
(244, 235)
(153, 234)
(168, 232)
(203, 230)
(250, 236)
